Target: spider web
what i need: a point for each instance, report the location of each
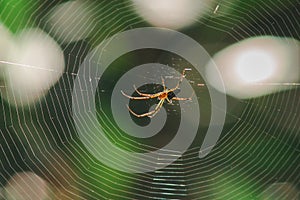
(257, 156)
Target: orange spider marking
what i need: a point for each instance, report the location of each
(163, 96)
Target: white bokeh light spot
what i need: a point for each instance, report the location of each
(70, 21)
(255, 65)
(33, 64)
(174, 14)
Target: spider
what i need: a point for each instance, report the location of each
(166, 94)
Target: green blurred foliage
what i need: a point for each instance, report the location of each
(17, 14)
(234, 185)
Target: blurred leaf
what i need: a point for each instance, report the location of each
(17, 14)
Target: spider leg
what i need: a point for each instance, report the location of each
(140, 115)
(163, 83)
(169, 101)
(149, 114)
(183, 99)
(181, 79)
(157, 108)
(136, 98)
(146, 95)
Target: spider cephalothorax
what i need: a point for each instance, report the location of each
(166, 94)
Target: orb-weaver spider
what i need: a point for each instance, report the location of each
(166, 94)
